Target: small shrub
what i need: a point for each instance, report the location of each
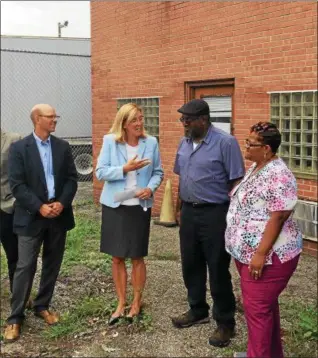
(308, 323)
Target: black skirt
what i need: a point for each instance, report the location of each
(125, 231)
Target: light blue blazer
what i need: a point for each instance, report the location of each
(112, 158)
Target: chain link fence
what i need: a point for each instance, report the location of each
(59, 79)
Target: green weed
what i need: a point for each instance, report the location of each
(165, 256)
(82, 247)
(308, 323)
(301, 336)
(3, 264)
(83, 202)
(145, 321)
(87, 311)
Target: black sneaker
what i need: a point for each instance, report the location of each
(188, 319)
(221, 337)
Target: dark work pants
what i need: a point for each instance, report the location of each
(53, 239)
(9, 242)
(202, 246)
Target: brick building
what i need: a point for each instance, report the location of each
(249, 60)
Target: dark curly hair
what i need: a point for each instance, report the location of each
(268, 134)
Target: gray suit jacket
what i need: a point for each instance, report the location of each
(6, 197)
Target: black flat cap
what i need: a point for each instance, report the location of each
(195, 107)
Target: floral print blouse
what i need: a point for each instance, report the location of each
(272, 188)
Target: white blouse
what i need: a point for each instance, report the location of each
(131, 178)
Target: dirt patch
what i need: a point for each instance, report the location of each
(164, 297)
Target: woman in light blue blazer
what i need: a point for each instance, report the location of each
(129, 161)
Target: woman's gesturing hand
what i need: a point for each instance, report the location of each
(256, 265)
(134, 164)
(144, 193)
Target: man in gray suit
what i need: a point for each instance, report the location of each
(8, 238)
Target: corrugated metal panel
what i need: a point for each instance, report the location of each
(43, 44)
(62, 81)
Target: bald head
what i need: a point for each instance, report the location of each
(41, 109)
(44, 118)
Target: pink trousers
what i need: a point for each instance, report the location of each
(260, 302)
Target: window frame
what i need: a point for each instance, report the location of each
(289, 108)
(136, 100)
(212, 88)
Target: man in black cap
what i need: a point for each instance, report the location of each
(208, 162)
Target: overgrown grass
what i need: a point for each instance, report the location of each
(301, 337)
(82, 247)
(86, 313)
(165, 256)
(3, 264)
(4, 290)
(144, 321)
(83, 202)
(89, 312)
(2, 324)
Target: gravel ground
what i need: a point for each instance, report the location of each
(164, 296)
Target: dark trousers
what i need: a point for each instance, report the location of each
(9, 242)
(53, 239)
(202, 246)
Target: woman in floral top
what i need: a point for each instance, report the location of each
(263, 238)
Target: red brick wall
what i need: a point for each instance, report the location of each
(310, 248)
(144, 49)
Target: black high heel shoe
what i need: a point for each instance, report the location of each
(113, 320)
(130, 319)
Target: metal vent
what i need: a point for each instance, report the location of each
(306, 215)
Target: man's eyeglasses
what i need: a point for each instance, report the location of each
(53, 116)
(187, 119)
(248, 144)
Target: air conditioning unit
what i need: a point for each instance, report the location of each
(306, 215)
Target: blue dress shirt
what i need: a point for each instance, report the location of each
(45, 150)
(206, 171)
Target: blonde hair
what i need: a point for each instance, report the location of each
(125, 115)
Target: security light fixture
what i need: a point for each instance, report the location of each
(60, 26)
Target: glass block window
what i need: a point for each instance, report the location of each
(150, 108)
(295, 114)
